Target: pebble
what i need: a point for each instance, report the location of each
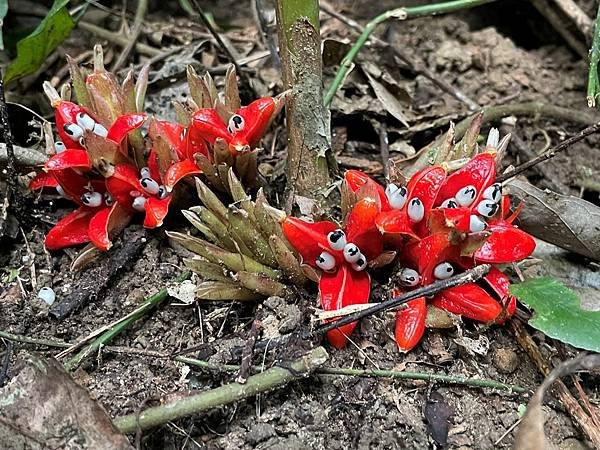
(505, 360)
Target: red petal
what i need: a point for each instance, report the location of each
(395, 222)
(207, 123)
(70, 230)
(66, 113)
(43, 180)
(355, 180)
(120, 185)
(156, 211)
(410, 324)
(309, 239)
(479, 172)
(342, 288)
(360, 227)
(425, 255)
(506, 244)
(153, 165)
(124, 125)
(257, 116)
(445, 219)
(468, 300)
(70, 159)
(73, 184)
(425, 185)
(107, 223)
(178, 171)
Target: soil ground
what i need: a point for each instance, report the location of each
(491, 58)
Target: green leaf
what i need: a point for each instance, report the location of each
(33, 50)
(3, 11)
(558, 313)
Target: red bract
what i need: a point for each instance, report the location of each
(243, 129)
(342, 254)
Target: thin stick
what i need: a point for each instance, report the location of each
(415, 65)
(116, 38)
(224, 395)
(550, 153)
(11, 171)
(138, 22)
(577, 15)
(592, 89)
(107, 336)
(400, 14)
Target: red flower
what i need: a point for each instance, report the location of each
(342, 254)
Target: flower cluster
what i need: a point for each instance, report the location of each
(104, 163)
(438, 225)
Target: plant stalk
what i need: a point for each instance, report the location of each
(592, 89)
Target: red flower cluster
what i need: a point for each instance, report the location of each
(438, 224)
(105, 166)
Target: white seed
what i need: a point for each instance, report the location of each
(487, 208)
(476, 224)
(150, 186)
(59, 147)
(162, 192)
(351, 252)
(139, 203)
(236, 123)
(443, 271)
(61, 191)
(74, 131)
(493, 138)
(325, 261)
(100, 130)
(416, 210)
(397, 196)
(466, 195)
(360, 264)
(47, 294)
(337, 239)
(145, 172)
(108, 199)
(85, 121)
(493, 192)
(409, 277)
(449, 203)
(92, 199)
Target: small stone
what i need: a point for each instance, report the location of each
(47, 295)
(505, 360)
(260, 432)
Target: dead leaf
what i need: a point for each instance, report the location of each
(438, 413)
(42, 407)
(563, 220)
(390, 102)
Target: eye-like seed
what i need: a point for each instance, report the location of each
(360, 264)
(466, 195)
(182, 135)
(145, 172)
(91, 199)
(59, 147)
(493, 192)
(476, 224)
(150, 186)
(100, 130)
(351, 253)
(493, 138)
(325, 261)
(162, 192)
(337, 239)
(396, 195)
(236, 123)
(139, 203)
(85, 121)
(82, 141)
(487, 208)
(74, 131)
(443, 271)
(416, 210)
(409, 277)
(61, 191)
(108, 199)
(449, 203)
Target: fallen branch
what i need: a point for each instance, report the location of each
(24, 157)
(549, 154)
(405, 13)
(138, 22)
(116, 38)
(224, 395)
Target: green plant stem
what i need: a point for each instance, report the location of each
(410, 12)
(149, 304)
(592, 89)
(224, 395)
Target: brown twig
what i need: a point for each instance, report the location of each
(415, 65)
(11, 171)
(138, 22)
(576, 14)
(550, 153)
(573, 407)
(246, 361)
(384, 148)
(116, 38)
(6, 361)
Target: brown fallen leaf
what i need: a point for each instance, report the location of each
(566, 221)
(42, 407)
(438, 413)
(530, 434)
